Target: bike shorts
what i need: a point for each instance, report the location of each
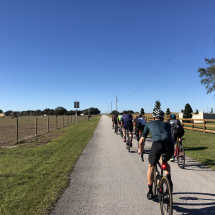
(177, 133)
(140, 128)
(115, 121)
(159, 148)
(129, 125)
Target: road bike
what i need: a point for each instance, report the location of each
(121, 132)
(116, 128)
(161, 187)
(138, 137)
(179, 153)
(128, 140)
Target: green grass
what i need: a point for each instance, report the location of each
(200, 147)
(32, 177)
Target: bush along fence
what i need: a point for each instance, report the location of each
(204, 125)
(65, 121)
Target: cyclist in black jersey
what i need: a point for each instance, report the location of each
(177, 130)
(162, 143)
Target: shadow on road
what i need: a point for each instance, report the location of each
(195, 203)
(196, 166)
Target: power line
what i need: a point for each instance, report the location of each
(168, 62)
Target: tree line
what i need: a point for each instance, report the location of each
(57, 111)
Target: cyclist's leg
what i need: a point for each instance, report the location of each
(153, 158)
(169, 149)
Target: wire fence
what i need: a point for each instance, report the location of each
(13, 130)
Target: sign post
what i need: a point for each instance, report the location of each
(76, 105)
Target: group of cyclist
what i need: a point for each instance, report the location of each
(164, 135)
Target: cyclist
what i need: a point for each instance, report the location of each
(139, 125)
(119, 121)
(177, 130)
(127, 122)
(162, 143)
(115, 122)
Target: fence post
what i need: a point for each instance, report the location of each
(17, 133)
(63, 121)
(56, 121)
(71, 119)
(68, 121)
(48, 124)
(36, 127)
(192, 124)
(182, 123)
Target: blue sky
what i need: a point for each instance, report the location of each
(53, 53)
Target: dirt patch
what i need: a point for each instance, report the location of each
(41, 139)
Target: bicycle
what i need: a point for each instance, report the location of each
(138, 137)
(161, 187)
(127, 139)
(121, 132)
(179, 153)
(116, 129)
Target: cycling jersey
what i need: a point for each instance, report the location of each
(120, 117)
(177, 129)
(140, 121)
(160, 131)
(127, 118)
(175, 123)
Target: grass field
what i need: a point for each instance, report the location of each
(200, 147)
(26, 126)
(33, 175)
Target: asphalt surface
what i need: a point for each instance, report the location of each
(107, 179)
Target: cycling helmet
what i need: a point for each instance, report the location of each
(125, 112)
(172, 116)
(158, 113)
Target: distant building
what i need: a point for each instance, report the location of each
(200, 115)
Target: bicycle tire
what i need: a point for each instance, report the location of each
(165, 197)
(156, 182)
(181, 157)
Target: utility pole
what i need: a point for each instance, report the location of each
(116, 103)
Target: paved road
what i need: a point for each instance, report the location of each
(109, 180)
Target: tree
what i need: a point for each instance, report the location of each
(114, 112)
(212, 110)
(187, 111)
(182, 110)
(60, 111)
(167, 111)
(51, 112)
(157, 105)
(1, 111)
(94, 111)
(197, 112)
(142, 111)
(38, 112)
(208, 75)
(46, 111)
(130, 111)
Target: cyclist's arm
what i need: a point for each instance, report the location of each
(143, 138)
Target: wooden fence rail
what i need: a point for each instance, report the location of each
(203, 125)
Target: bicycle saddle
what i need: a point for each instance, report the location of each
(165, 157)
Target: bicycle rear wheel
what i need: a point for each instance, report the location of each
(165, 197)
(181, 157)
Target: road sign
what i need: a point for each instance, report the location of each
(76, 104)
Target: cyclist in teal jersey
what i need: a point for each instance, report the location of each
(162, 143)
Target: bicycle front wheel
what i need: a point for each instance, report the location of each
(165, 197)
(181, 157)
